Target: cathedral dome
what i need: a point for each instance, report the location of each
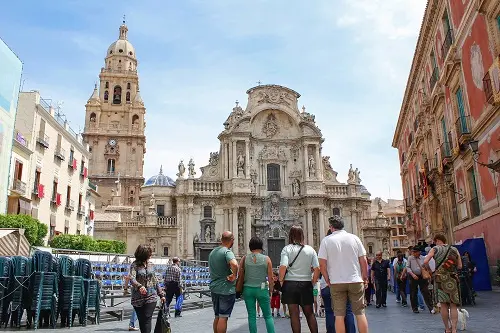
(160, 180)
(122, 47)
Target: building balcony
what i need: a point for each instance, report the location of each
(60, 153)
(207, 187)
(337, 191)
(418, 192)
(448, 41)
(434, 78)
(463, 128)
(43, 139)
(408, 204)
(474, 207)
(81, 210)
(167, 221)
(70, 205)
(19, 187)
(445, 149)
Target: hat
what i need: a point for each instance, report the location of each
(418, 248)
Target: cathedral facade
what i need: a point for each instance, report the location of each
(269, 174)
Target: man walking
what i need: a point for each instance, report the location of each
(172, 281)
(381, 275)
(414, 271)
(342, 259)
(400, 277)
(223, 272)
(396, 286)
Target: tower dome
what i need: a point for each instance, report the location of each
(122, 47)
(160, 180)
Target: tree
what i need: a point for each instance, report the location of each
(87, 243)
(34, 230)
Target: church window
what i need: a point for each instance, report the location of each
(130, 53)
(111, 52)
(106, 95)
(273, 177)
(111, 166)
(160, 210)
(106, 85)
(207, 212)
(92, 117)
(135, 119)
(370, 248)
(127, 96)
(128, 85)
(165, 251)
(120, 50)
(117, 95)
(336, 212)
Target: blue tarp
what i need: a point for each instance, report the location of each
(477, 250)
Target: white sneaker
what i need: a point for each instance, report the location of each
(398, 301)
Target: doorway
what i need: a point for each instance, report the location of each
(204, 253)
(274, 247)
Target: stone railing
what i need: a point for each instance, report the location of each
(207, 187)
(167, 221)
(337, 191)
(104, 225)
(129, 224)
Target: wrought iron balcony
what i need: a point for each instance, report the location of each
(81, 210)
(434, 78)
(445, 150)
(448, 41)
(19, 187)
(60, 153)
(70, 205)
(43, 139)
(463, 128)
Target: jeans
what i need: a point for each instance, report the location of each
(401, 290)
(396, 290)
(172, 288)
(381, 291)
(145, 316)
(251, 295)
(423, 285)
(133, 318)
(420, 300)
(330, 317)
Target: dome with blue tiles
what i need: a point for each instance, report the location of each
(160, 180)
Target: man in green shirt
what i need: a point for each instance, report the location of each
(223, 272)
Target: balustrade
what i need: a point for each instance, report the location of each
(207, 187)
(337, 191)
(167, 221)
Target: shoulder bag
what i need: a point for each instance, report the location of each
(444, 258)
(426, 274)
(293, 261)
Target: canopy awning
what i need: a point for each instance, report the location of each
(13, 243)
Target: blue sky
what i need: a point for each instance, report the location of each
(349, 59)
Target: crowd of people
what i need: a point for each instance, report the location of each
(340, 275)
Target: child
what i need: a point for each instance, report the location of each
(275, 298)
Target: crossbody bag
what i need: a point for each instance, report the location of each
(291, 264)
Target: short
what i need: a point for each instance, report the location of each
(315, 292)
(297, 292)
(223, 304)
(341, 292)
(275, 302)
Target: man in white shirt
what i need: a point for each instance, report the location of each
(396, 287)
(342, 259)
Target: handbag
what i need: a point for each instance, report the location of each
(426, 275)
(162, 322)
(241, 277)
(178, 303)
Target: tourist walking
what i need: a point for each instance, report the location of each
(295, 277)
(255, 278)
(400, 277)
(369, 286)
(446, 283)
(223, 272)
(417, 281)
(344, 267)
(381, 275)
(396, 286)
(145, 287)
(133, 316)
(172, 281)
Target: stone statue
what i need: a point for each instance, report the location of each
(357, 179)
(351, 177)
(379, 205)
(296, 188)
(196, 237)
(240, 162)
(181, 169)
(312, 167)
(191, 171)
(207, 233)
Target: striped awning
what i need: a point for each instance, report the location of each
(13, 243)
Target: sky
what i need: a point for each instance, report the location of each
(349, 59)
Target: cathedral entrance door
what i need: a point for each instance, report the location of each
(204, 253)
(274, 247)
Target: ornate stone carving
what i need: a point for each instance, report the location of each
(295, 151)
(272, 152)
(112, 150)
(214, 158)
(181, 169)
(314, 187)
(191, 172)
(296, 174)
(208, 233)
(351, 177)
(357, 179)
(312, 167)
(274, 96)
(257, 212)
(270, 127)
(240, 162)
(296, 188)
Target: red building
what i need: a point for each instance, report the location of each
(448, 131)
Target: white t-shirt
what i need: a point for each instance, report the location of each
(394, 262)
(301, 269)
(342, 251)
(432, 264)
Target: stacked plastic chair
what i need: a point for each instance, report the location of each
(70, 292)
(44, 290)
(19, 288)
(5, 296)
(92, 291)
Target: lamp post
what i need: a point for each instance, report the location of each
(474, 146)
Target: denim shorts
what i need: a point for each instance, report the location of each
(223, 304)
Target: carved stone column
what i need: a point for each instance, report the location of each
(234, 230)
(222, 159)
(322, 227)
(233, 159)
(248, 225)
(309, 227)
(247, 159)
(306, 163)
(319, 164)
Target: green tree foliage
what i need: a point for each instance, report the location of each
(34, 230)
(87, 243)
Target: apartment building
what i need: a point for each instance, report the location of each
(52, 169)
(448, 131)
(394, 211)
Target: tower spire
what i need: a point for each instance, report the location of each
(123, 29)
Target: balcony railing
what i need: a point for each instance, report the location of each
(463, 127)
(337, 191)
(70, 205)
(445, 150)
(19, 186)
(81, 210)
(207, 187)
(60, 153)
(43, 139)
(448, 41)
(92, 186)
(167, 221)
(474, 207)
(434, 78)
(488, 88)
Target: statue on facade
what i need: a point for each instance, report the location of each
(207, 234)
(357, 179)
(351, 177)
(152, 200)
(240, 162)
(296, 188)
(191, 171)
(379, 205)
(312, 167)
(181, 169)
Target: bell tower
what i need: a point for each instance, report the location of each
(114, 126)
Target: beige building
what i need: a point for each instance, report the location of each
(49, 168)
(394, 211)
(375, 231)
(114, 125)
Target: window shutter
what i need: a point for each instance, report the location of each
(85, 172)
(41, 194)
(58, 199)
(75, 164)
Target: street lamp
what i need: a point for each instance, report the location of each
(474, 146)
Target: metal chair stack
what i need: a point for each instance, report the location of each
(5, 296)
(19, 289)
(92, 295)
(44, 290)
(71, 292)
